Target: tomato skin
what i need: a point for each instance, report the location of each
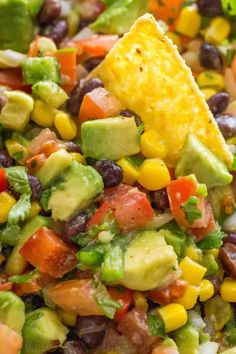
(126, 296)
(99, 215)
(202, 232)
(97, 45)
(12, 78)
(23, 289)
(165, 296)
(34, 163)
(3, 180)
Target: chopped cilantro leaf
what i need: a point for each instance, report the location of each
(192, 212)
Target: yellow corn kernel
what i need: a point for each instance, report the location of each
(65, 126)
(211, 78)
(194, 253)
(153, 174)
(78, 157)
(173, 315)
(189, 21)
(42, 114)
(208, 92)
(68, 318)
(35, 209)
(189, 299)
(206, 290)
(140, 301)
(73, 22)
(176, 39)
(16, 150)
(192, 271)
(6, 203)
(217, 31)
(130, 171)
(214, 252)
(228, 290)
(151, 146)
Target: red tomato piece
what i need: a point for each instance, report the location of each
(67, 60)
(46, 251)
(31, 287)
(11, 78)
(3, 180)
(99, 215)
(202, 232)
(10, 341)
(165, 296)
(125, 297)
(98, 45)
(34, 163)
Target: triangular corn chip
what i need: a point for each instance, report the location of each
(147, 74)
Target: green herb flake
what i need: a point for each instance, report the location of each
(213, 240)
(156, 326)
(104, 300)
(23, 278)
(192, 212)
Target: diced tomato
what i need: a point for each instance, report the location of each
(37, 143)
(34, 163)
(98, 45)
(165, 296)
(75, 296)
(67, 60)
(202, 232)
(233, 66)
(10, 341)
(3, 180)
(34, 49)
(166, 10)
(12, 78)
(51, 146)
(7, 286)
(99, 215)
(31, 287)
(46, 251)
(123, 296)
(164, 348)
(98, 104)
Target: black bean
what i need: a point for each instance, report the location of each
(72, 347)
(218, 102)
(73, 147)
(227, 256)
(49, 12)
(231, 238)
(210, 8)
(91, 330)
(209, 57)
(78, 93)
(5, 159)
(92, 63)
(84, 23)
(216, 283)
(112, 174)
(160, 199)
(35, 186)
(74, 226)
(32, 302)
(227, 125)
(57, 31)
(128, 113)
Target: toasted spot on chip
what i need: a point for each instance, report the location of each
(147, 74)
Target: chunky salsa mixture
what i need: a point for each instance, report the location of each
(108, 247)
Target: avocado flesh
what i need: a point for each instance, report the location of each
(149, 262)
(12, 311)
(79, 187)
(120, 16)
(197, 159)
(16, 25)
(110, 138)
(187, 340)
(42, 331)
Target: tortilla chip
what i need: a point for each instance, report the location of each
(147, 74)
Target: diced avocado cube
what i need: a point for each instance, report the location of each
(110, 138)
(119, 16)
(12, 310)
(216, 196)
(187, 340)
(41, 69)
(197, 159)
(218, 311)
(42, 332)
(149, 262)
(35, 6)
(176, 241)
(16, 25)
(15, 114)
(79, 187)
(210, 263)
(50, 93)
(54, 166)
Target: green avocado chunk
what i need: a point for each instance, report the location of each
(80, 185)
(187, 339)
(16, 26)
(149, 262)
(50, 93)
(110, 138)
(42, 332)
(197, 159)
(12, 311)
(41, 69)
(120, 16)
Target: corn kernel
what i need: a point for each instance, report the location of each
(68, 318)
(130, 171)
(42, 114)
(214, 252)
(151, 146)
(228, 290)
(189, 299)
(189, 21)
(78, 157)
(153, 174)
(194, 253)
(173, 315)
(211, 78)
(206, 290)
(65, 126)
(208, 92)
(73, 22)
(16, 150)
(35, 209)
(217, 31)
(6, 203)
(192, 271)
(176, 39)
(140, 301)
